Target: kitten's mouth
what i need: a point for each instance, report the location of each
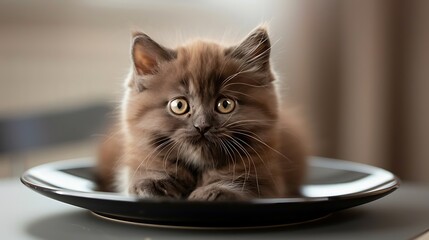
(201, 139)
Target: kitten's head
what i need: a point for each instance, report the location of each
(202, 103)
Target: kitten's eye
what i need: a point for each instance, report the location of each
(225, 105)
(179, 106)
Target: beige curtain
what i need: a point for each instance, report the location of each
(360, 71)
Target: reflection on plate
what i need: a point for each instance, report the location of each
(332, 185)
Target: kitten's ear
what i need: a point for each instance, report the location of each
(147, 54)
(254, 49)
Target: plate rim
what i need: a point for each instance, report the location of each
(98, 195)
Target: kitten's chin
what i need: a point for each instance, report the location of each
(194, 155)
(200, 152)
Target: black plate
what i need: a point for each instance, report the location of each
(333, 185)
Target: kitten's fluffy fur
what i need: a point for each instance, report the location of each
(203, 154)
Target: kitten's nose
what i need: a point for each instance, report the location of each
(202, 128)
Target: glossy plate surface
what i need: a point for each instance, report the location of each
(332, 185)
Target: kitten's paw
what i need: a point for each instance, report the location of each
(157, 188)
(213, 193)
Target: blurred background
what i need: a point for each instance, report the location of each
(358, 71)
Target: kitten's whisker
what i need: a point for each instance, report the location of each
(167, 155)
(257, 138)
(109, 136)
(242, 66)
(241, 122)
(179, 152)
(246, 84)
(229, 118)
(264, 52)
(245, 152)
(222, 69)
(249, 126)
(247, 176)
(242, 160)
(237, 92)
(230, 157)
(249, 157)
(158, 148)
(255, 120)
(262, 160)
(232, 76)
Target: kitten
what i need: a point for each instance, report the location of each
(202, 122)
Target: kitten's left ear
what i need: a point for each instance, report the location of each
(147, 54)
(254, 49)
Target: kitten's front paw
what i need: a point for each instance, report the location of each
(157, 188)
(213, 193)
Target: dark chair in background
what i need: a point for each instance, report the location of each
(49, 129)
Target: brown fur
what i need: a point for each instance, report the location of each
(251, 152)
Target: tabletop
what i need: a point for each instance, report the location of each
(404, 214)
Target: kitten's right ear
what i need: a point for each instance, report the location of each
(147, 54)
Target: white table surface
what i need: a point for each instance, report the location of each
(25, 214)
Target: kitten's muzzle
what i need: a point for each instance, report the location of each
(202, 128)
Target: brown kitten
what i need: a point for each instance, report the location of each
(202, 122)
